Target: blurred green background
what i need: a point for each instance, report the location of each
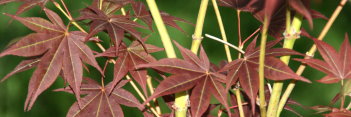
(14, 90)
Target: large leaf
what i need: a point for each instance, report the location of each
(336, 64)
(60, 50)
(245, 70)
(115, 25)
(191, 72)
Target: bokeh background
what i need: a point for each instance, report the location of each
(14, 90)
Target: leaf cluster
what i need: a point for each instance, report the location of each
(55, 51)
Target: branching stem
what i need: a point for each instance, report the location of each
(227, 50)
(292, 33)
(197, 37)
(181, 101)
(151, 89)
(240, 102)
(313, 49)
(221, 28)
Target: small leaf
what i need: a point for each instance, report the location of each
(98, 103)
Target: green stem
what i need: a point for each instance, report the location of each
(226, 47)
(313, 49)
(240, 103)
(166, 40)
(221, 28)
(274, 100)
(291, 35)
(197, 37)
(238, 94)
(181, 101)
(342, 103)
(261, 67)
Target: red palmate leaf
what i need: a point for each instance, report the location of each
(98, 103)
(142, 13)
(242, 5)
(245, 70)
(191, 72)
(61, 50)
(335, 65)
(109, 7)
(115, 25)
(23, 66)
(128, 58)
(27, 4)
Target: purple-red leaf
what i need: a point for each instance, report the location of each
(142, 13)
(60, 50)
(129, 57)
(191, 72)
(245, 70)
(27, 4)
(336, 64)
(99, 103)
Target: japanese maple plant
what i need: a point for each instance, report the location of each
(245, 85)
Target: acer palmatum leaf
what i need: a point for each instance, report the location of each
(242, 5)
(115, 25)
(245, 70)
(61, 50)
(336, 64)
(98, 103)
(191, 72)
(302, 7)
(27, 4)
(23, 66)
(129, 57)
(109, 7)
(141, 12)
